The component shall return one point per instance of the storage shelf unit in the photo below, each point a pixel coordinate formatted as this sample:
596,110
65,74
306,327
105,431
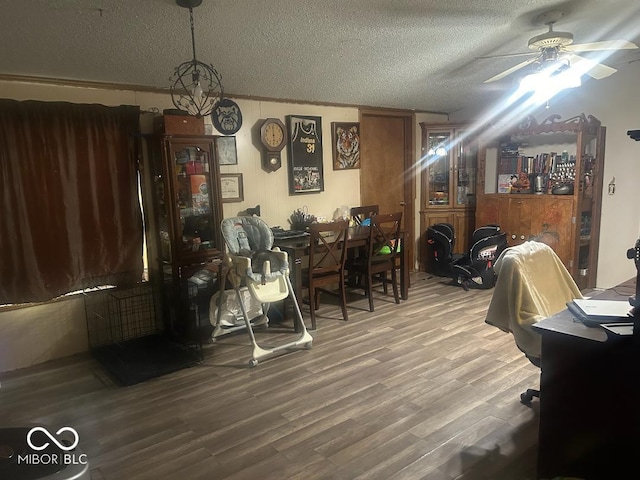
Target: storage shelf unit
544,182
185,237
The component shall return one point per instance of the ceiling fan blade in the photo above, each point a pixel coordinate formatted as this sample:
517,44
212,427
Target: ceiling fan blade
590,67
605,45
511,70
509,55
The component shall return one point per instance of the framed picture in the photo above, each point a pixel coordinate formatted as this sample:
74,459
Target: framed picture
305,154
346,145
226,117
231,187
226,150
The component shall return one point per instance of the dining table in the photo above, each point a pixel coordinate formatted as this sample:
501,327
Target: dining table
297,248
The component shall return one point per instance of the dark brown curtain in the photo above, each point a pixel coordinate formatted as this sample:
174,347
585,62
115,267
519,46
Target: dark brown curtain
69,197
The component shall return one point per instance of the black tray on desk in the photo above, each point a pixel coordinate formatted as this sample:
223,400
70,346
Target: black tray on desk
287,234
623,328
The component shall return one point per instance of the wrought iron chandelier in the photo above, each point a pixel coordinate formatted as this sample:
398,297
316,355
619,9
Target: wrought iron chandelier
195,86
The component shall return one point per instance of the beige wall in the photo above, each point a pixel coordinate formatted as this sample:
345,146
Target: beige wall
26,338
33,335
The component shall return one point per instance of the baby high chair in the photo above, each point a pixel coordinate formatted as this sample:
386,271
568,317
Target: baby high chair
252,264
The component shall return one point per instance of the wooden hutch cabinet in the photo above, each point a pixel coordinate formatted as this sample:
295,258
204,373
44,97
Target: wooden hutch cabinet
543,181
185,232
448,183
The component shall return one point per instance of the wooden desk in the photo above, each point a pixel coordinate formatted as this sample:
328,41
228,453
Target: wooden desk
298,248
589,398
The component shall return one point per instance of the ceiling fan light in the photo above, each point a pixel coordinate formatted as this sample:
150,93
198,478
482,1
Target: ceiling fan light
556,46
566,76
542,86
530,82
570,79
554,77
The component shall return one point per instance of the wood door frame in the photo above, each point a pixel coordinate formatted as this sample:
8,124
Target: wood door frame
409,180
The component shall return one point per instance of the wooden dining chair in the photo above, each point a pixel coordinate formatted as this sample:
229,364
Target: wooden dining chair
383,246
327,256
360,214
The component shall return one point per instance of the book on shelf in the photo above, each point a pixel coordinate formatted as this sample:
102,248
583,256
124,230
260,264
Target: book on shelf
504,183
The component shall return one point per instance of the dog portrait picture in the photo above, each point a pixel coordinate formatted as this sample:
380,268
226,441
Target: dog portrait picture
226,117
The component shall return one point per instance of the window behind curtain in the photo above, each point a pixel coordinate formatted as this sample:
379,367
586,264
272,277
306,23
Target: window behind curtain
68,198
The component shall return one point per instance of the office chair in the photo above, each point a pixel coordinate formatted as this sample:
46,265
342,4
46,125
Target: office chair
532,284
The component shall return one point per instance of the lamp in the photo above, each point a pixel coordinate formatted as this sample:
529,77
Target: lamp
195,86
438,145
440,151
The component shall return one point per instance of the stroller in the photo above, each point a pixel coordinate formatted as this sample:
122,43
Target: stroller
475,270
259,275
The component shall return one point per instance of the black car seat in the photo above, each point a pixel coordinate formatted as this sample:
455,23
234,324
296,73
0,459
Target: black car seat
440,243
475,269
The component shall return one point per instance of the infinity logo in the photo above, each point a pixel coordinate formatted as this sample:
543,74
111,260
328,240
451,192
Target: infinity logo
60,445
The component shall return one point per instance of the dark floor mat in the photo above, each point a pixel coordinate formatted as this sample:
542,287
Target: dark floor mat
141,359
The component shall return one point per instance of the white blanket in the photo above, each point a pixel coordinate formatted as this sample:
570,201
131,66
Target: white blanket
532,284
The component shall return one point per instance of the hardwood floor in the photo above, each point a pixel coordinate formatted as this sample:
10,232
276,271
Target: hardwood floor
420,390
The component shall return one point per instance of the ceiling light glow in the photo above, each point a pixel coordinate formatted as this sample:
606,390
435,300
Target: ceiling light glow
549,81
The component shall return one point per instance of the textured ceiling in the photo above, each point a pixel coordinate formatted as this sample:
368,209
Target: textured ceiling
408,54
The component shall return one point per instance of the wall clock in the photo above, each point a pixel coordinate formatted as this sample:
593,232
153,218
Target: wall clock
273,136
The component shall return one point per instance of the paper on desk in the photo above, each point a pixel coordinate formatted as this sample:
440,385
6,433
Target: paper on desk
603,308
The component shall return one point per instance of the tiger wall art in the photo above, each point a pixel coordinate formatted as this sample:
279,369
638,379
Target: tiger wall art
346,146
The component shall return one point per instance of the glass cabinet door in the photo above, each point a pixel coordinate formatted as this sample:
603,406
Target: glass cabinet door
587,243
187,207
466,151
164,232
193,199
438,167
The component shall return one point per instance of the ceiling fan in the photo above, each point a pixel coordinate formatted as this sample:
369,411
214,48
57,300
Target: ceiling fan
557,48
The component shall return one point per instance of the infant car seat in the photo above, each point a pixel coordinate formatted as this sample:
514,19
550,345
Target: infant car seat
440,242
475,270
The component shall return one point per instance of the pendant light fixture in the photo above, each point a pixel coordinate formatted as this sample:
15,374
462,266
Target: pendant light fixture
195,86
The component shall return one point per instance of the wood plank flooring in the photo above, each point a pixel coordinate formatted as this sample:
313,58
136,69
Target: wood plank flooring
420,390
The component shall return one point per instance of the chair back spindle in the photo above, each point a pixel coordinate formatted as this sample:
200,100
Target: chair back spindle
361,214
